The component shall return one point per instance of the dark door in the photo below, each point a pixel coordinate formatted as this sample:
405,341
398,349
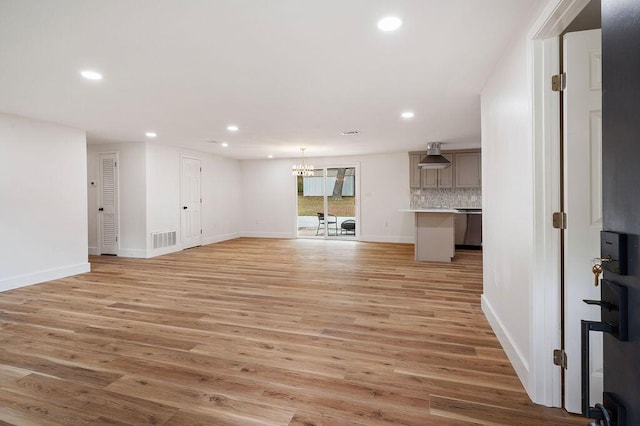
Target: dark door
621,186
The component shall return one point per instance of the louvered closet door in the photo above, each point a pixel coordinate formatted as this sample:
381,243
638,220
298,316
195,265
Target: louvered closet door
108,209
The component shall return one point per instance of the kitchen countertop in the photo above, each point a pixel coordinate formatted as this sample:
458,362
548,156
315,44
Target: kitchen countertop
441,210
429,210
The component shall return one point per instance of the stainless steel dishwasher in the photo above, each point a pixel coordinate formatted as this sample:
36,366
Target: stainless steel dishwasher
468,228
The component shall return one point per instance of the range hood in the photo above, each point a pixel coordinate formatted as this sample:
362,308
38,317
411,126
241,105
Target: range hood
433,159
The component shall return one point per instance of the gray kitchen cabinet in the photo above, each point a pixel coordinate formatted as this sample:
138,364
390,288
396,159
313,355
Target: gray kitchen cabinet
429,178
445,176
421,178
464,171
414,171
467,170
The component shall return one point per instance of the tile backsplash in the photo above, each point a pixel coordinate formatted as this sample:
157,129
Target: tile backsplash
446,197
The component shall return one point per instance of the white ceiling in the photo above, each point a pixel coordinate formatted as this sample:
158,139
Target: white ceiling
289,73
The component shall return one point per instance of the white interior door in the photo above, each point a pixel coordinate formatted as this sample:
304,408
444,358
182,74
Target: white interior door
191,202
583,204
108,203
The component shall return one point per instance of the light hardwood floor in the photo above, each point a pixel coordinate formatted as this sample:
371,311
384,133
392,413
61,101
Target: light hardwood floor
261,331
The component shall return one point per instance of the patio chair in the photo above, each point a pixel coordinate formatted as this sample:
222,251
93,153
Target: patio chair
331,220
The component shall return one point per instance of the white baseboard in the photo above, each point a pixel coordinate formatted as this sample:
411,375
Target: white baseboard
219,238
136,253
268,235
164,250
205,241
515,355
42,276
93,251
386,239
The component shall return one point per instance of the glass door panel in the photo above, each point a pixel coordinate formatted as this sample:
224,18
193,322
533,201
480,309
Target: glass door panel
310,192
341,202
327,203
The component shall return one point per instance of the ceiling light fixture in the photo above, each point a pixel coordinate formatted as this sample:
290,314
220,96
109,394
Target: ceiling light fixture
91,75
232,128
389,23
224,144
270,156
302,169
350,132
151,134
407,115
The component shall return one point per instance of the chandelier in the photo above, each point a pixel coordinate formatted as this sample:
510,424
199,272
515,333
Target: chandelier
302,169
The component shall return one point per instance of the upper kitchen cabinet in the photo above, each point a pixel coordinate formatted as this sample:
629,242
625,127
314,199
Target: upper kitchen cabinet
429,178
468,170
421,178
464,171
445,176
414,170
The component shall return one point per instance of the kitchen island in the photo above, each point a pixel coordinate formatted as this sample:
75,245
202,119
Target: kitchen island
435,235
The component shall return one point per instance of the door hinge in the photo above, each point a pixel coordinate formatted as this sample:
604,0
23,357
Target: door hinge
200,169
560,358
115,164
201,231
116,239
559,82
559,220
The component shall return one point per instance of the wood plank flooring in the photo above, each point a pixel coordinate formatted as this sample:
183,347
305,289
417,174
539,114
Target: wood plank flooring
261,332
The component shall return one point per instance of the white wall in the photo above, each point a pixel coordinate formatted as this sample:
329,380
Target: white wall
508,192
43,195
269,196
221,195
132,196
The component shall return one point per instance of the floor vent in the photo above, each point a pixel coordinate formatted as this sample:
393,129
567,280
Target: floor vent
163,239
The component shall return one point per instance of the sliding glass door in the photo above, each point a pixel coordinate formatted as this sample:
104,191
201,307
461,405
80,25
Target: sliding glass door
327,203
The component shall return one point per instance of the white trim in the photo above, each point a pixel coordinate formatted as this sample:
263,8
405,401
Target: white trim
518,360
94,251
268,235
175,248
543,383
161,251
555,18
387,239
135,253
42,276
219,238
546,385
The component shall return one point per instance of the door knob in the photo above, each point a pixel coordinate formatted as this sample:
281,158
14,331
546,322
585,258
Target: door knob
605,305
184,207
100,209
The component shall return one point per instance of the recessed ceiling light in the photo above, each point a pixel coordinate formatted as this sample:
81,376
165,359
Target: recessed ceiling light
151,134
407,114
224,144
232,128
389,23
350,132
270,156
91,75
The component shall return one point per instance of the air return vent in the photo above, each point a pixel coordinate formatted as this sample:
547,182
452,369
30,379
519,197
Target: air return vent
163,239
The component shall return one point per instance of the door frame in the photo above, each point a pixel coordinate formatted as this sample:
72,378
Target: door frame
354,165
99,225
544,379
